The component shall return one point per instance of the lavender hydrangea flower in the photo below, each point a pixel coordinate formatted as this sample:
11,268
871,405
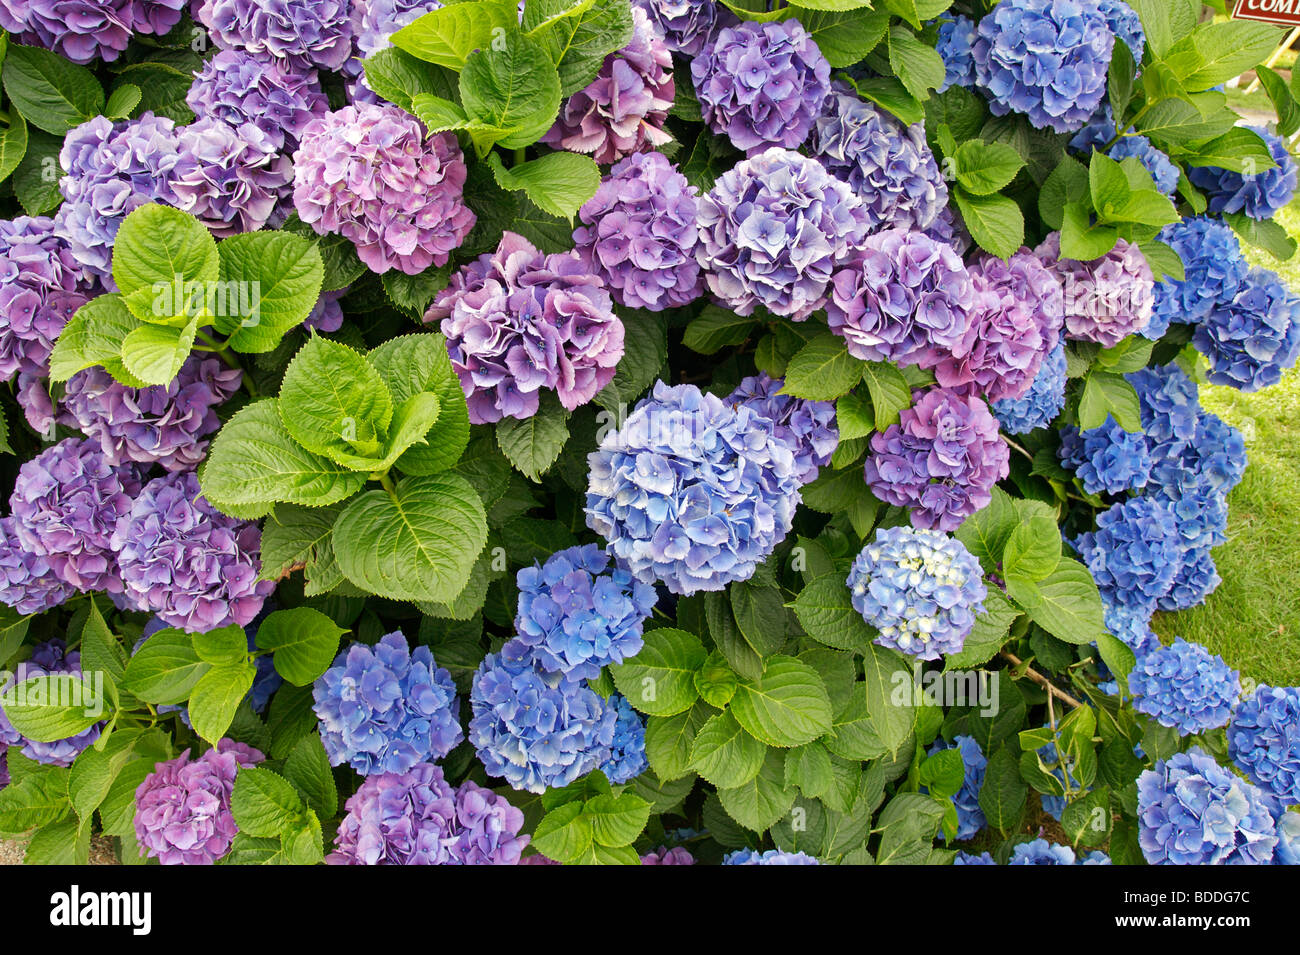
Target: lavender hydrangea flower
1106,459
578,614
1264,740
41,286
66,504
772,229
627,759
1185,687
623,110
373,23
686,25
956,46
1041,852
229,178
887,165
807,426
1258,195
1044,400
1192,811
1134,553
1046,59
50,658
941,460
163,424
27,583
692,491
970,817
487,828
386,708
639,234
770,857
83,30
268,92
182,814
305,32
1107,299
1214,270
665,856
111,170
369,173
327,314
538,730
903,297
1253,337
518,322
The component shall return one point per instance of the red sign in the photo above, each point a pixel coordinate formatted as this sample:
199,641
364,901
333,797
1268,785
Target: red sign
1269,11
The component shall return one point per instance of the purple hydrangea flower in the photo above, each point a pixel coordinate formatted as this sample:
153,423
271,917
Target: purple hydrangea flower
50,658
1046,59
956,45
1106,459
941,460
41,286
761,84
518,321
970,817
386,708
889,166
229,178
327,314
373,23
182,814
772,229
623,110
627,759
1041,852
1044,400
163,424
27,583
1264,740
111,169
692,491
807,426
1185,687
1254,336
665,856
66,504
1107,299
305,32
1134,553
1258,195
1214,270
948,228
1192,811
488,828
185,561
686,25
82,30
268,92
903,297
639,234
538,730
920,588
770,857
577,614
369,173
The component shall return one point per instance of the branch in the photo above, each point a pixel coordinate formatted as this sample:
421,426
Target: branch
1041,680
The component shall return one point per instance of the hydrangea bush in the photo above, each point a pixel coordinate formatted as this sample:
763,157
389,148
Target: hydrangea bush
530,433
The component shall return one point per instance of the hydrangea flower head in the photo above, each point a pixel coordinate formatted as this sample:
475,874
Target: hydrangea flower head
1163,172
1107,299
920,588
692,491
627,758
1186,687
1041,852
1044,400
941,459
305,32
807,426
1264,740
1197,578
50,658
182,814
970,817
1106,459
1213,271
1254,336
770,857
1168,401
185,561
268,92
578,614
665,856
761,84
383,709
27,582
83,30
1258,195
956,46
1126,25
772,229
1134,553
229,178
369,173
639,234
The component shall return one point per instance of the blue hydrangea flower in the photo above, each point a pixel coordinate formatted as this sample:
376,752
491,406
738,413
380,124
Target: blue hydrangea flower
1184,686
970,817
1131,626
1253,337
1096,857
1192,811
1107,459
1197,578
535,729
577,614
1046,59
1199,506
807,426
965,858
627,759
920,588
1168,401
1287,851
383,709
1126,25
1258,194
1264,740
1156,162
956,39
1218,452
1044,400
692,491
1213,269
1134,553
1042,852
770,857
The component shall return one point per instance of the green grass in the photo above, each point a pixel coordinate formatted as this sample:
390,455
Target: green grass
1253,619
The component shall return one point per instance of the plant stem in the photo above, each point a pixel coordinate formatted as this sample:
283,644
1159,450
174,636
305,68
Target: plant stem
1041,680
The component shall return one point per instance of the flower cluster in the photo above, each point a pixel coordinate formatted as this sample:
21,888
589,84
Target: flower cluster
623,110
518,321
369,173
808,427
182,809
970,817
761,84
692,491
27,582
1258,195
1107,299
1254,336
1214,269
627,758
383,709
50,658
1041,852
639,234
772,229
85,30
941,460
182,559
1126,25
1264,740
686,25
956,46
1044,400
273,94
888,166
1184,686
577,614
1106,459
770,857
1134,553
229,178
665,856
305,32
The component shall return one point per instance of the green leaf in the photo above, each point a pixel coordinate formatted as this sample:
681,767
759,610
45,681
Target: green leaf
1284,101
889,94
36,180
1266,234
398,77
726,755
578,44
264,803
224,646
827,615
1106,394
893,719
94,336
409,365
308,769
1066,603
670,739
889,391
992,629
717,328
853,416
511,85
564,833
280,275
50,92
918,66
916,12
986,532
616,820
1227,50
50,708
154,354
1034,548
759,803
165,669
786,706
985,168
760,615
995,222
844,37
333,402
157,247
1002,796
822,370
660,680
418,542
304,642
532,444
559,183
908,825
216,696
34,801
1239,149
13,144
449,35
